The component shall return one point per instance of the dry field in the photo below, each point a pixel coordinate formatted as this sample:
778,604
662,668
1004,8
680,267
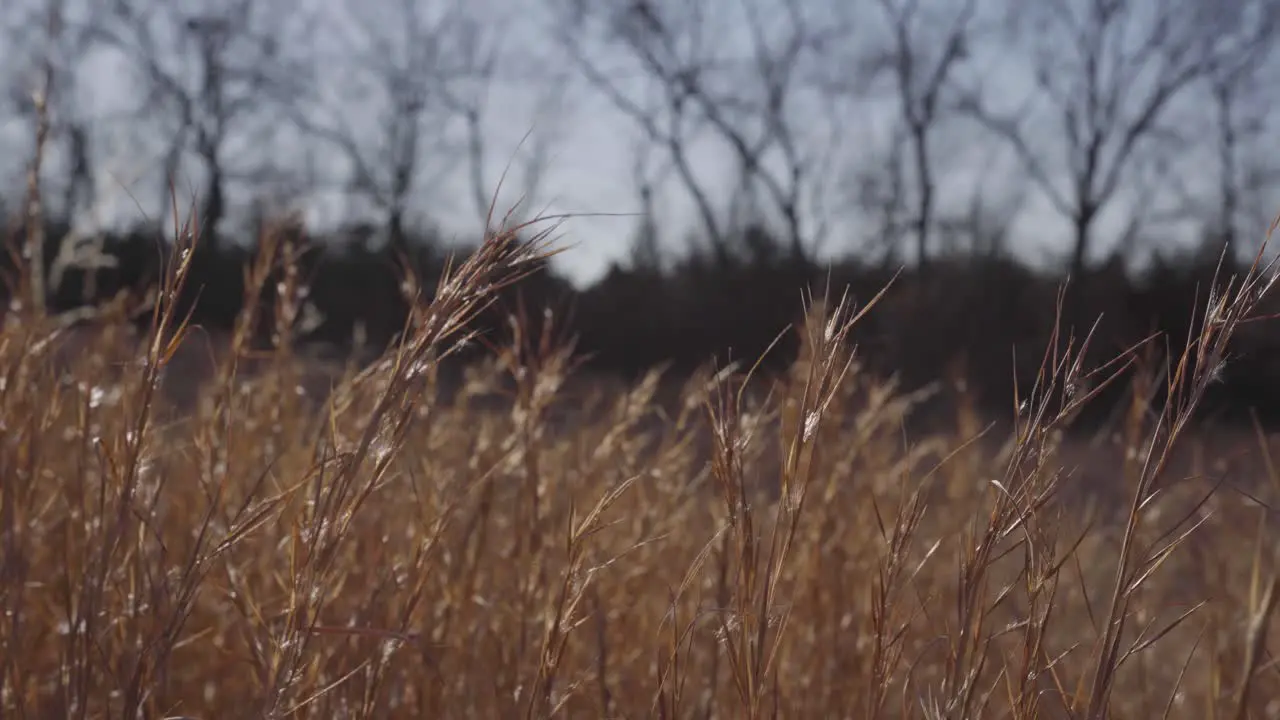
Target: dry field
275,551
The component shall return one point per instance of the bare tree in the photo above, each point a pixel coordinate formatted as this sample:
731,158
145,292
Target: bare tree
212,72
42,93
1109,71
708,72
405,103
1243,101
981,231
501,66
918,57
878,189
63,44
645,251
33,252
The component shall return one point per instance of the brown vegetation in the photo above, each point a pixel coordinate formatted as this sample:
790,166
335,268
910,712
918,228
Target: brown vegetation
376,552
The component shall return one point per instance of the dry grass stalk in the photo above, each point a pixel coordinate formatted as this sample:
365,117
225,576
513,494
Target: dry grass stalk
582,551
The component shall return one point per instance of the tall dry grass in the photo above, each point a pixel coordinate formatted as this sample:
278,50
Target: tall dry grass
375,552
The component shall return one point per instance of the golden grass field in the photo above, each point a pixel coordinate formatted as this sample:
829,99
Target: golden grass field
589,551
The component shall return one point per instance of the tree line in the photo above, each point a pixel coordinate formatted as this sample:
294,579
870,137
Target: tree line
769,145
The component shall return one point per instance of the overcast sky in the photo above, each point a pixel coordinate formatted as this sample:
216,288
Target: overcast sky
588,169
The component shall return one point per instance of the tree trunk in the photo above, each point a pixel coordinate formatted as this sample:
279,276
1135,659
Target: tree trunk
924,214
1074,305
214,204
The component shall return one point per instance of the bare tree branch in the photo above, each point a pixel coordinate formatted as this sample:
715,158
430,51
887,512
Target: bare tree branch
705,91
495,63
213,70
426,72
70,129
665,121
33,252
1108,71
1243,98
919,55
